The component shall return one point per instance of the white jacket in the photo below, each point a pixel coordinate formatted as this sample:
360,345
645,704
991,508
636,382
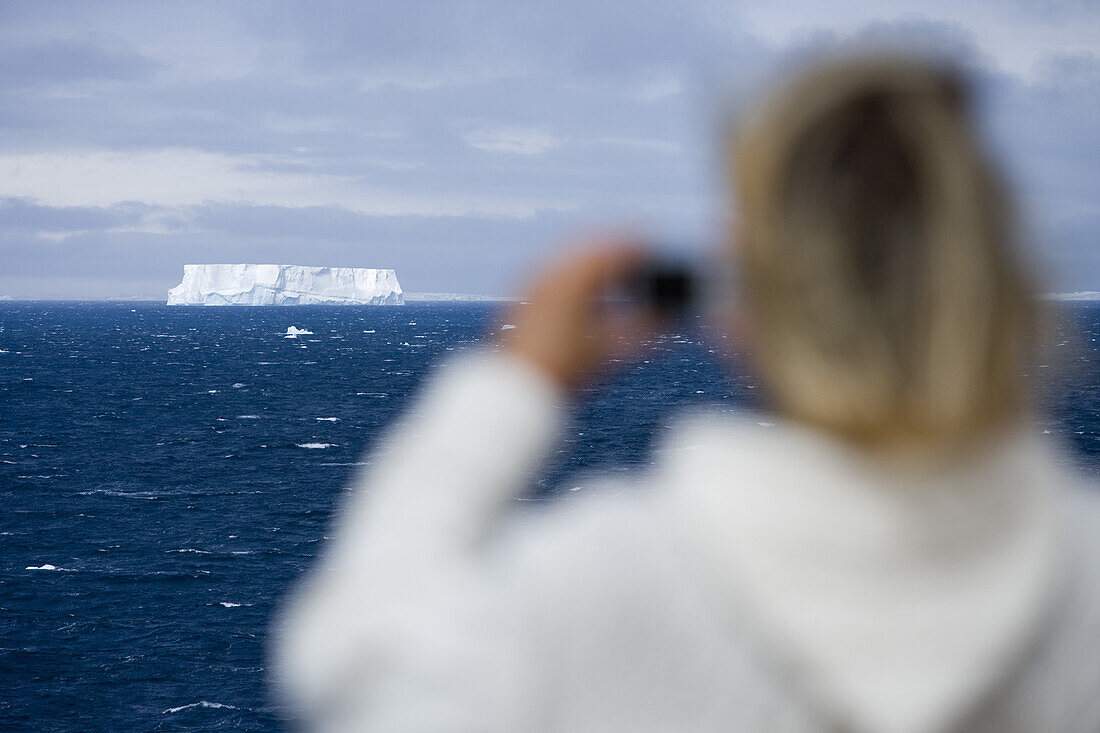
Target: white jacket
760,577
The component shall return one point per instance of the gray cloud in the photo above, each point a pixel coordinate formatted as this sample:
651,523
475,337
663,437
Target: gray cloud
557,113
62,63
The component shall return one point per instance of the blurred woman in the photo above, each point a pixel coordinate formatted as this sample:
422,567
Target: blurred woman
899,552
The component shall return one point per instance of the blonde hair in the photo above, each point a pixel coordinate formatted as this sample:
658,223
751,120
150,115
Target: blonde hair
878,266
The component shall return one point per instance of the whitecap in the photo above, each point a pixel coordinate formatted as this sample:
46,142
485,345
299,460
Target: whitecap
238,385
327,419
316,445
200,704
370,331
507,327
190,549
227,604
211,391
248,417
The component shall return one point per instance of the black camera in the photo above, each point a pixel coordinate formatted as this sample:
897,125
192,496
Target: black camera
668,287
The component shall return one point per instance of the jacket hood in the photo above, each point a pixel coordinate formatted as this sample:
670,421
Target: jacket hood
897,592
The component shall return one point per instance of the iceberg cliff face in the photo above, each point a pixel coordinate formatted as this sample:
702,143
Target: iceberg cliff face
285,285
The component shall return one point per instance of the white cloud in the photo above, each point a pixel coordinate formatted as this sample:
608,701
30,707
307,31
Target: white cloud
182,177
659,87
515,140
667,147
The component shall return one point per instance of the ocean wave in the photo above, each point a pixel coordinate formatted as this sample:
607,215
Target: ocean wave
200,704
144,495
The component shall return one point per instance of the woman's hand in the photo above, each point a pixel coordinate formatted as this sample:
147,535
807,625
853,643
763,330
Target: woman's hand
562,328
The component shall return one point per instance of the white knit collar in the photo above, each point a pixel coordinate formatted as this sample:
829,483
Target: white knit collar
900,596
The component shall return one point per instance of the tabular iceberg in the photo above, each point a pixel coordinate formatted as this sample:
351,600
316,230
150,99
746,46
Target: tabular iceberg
285,285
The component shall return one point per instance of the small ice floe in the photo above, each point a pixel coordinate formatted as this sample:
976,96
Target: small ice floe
293,332
227,604
238,385
327,419
199,704
316,445
47,566
507,327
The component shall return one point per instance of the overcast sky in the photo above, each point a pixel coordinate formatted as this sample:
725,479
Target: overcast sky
459,141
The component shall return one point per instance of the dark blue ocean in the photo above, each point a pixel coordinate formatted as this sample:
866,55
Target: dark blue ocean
177,467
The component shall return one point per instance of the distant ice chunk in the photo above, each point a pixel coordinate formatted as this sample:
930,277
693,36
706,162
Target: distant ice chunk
1079,295
316,446
293,332
199,704
47,566
247,284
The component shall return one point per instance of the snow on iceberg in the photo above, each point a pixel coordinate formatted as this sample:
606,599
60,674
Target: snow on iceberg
285,285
